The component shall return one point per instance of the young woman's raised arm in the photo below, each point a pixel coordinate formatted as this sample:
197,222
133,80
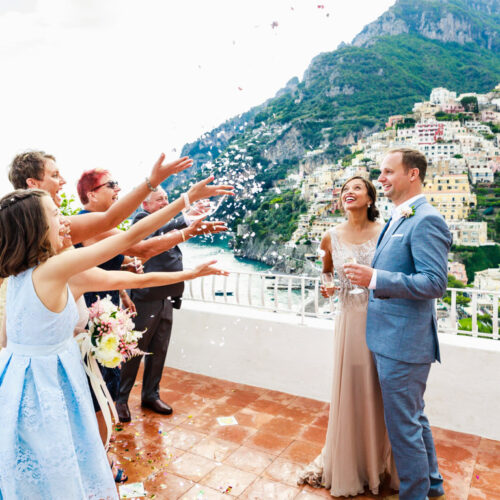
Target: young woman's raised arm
87,226
52,275
99,280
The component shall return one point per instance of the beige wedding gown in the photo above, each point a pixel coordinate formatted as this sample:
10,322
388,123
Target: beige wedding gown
357,452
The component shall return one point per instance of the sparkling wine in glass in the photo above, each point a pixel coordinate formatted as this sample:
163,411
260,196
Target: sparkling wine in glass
355,288
328,281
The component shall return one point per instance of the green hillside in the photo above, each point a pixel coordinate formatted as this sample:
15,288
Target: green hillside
393,63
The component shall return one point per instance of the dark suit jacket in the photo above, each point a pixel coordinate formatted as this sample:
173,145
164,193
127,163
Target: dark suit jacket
171,260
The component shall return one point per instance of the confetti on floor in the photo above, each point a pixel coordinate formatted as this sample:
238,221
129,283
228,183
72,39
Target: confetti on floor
132,490
227,421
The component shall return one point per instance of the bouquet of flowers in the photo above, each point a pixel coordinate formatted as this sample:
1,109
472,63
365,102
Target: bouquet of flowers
113,339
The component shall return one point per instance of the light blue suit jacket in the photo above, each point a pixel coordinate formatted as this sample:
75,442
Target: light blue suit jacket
411,261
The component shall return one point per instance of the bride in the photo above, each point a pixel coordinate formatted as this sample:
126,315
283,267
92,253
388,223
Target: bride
357,452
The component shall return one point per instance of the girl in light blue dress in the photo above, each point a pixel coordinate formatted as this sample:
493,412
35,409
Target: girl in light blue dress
50,447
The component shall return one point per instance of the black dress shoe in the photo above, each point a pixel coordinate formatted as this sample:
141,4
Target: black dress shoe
158,406
123,412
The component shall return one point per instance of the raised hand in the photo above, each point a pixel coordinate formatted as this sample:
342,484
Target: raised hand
206,269
202,190
133,265
161,171
203,227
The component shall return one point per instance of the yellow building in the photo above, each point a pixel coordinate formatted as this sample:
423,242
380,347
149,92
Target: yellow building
451,195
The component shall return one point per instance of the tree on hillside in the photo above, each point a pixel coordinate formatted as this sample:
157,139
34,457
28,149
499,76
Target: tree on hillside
470,104
477,258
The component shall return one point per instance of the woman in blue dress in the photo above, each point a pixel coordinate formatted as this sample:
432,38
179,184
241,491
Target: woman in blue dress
50,447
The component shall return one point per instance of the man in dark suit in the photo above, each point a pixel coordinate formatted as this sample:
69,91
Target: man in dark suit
155,308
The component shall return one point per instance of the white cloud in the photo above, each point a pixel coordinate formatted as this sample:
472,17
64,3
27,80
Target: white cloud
113,83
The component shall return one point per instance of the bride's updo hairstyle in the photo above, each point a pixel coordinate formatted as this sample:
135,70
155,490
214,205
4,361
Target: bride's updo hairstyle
24,232
372,211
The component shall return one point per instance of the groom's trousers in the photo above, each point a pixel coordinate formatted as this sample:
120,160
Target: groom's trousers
154,316
403,386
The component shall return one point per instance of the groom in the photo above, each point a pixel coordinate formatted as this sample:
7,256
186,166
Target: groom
409,272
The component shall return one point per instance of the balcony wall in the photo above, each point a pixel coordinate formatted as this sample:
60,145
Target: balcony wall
275,351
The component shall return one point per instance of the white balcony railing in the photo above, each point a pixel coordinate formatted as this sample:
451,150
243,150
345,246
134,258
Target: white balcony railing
469,312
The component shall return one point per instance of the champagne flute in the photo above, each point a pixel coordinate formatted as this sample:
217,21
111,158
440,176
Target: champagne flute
355,288
327,280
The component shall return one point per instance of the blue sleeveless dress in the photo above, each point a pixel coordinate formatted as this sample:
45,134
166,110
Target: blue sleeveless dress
50,447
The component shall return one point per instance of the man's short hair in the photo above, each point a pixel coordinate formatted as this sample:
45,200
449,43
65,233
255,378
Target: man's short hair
28,165
88,182
411,158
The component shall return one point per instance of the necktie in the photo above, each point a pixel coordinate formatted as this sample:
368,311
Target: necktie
386,227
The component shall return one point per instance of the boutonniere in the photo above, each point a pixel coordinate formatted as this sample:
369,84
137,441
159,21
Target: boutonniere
408,212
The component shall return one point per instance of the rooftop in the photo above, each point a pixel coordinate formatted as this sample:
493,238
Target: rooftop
188,455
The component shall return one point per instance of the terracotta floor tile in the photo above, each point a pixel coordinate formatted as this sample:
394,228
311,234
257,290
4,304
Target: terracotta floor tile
486,480
456,464
175,419
477,494
301,452
192,466
314,434
489,445
283,427
199,492
250,460
488,461
212,391
242,398
182,438
166,485
229,479
458,438
451,452
283,471
324,493
299,415
267,406
220,409
152,455
279,397
251,418
191,404
141,465
201,423
309,404
214,449
265,489
234,433
171,398
321,421
268,442
309,495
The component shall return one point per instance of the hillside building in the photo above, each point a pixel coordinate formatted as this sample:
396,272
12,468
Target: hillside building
469,233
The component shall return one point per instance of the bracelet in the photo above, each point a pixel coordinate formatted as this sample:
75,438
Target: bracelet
187,203
182,234
150,186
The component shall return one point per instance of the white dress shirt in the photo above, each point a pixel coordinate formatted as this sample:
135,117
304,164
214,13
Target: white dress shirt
396,215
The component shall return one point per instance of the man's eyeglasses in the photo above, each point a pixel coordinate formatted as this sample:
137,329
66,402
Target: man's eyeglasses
110,184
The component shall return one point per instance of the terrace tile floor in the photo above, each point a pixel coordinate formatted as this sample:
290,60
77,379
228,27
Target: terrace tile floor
188,455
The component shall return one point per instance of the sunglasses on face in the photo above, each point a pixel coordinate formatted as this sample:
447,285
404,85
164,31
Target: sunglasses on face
110,184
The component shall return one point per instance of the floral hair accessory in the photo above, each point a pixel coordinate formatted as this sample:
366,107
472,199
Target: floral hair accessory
408,212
